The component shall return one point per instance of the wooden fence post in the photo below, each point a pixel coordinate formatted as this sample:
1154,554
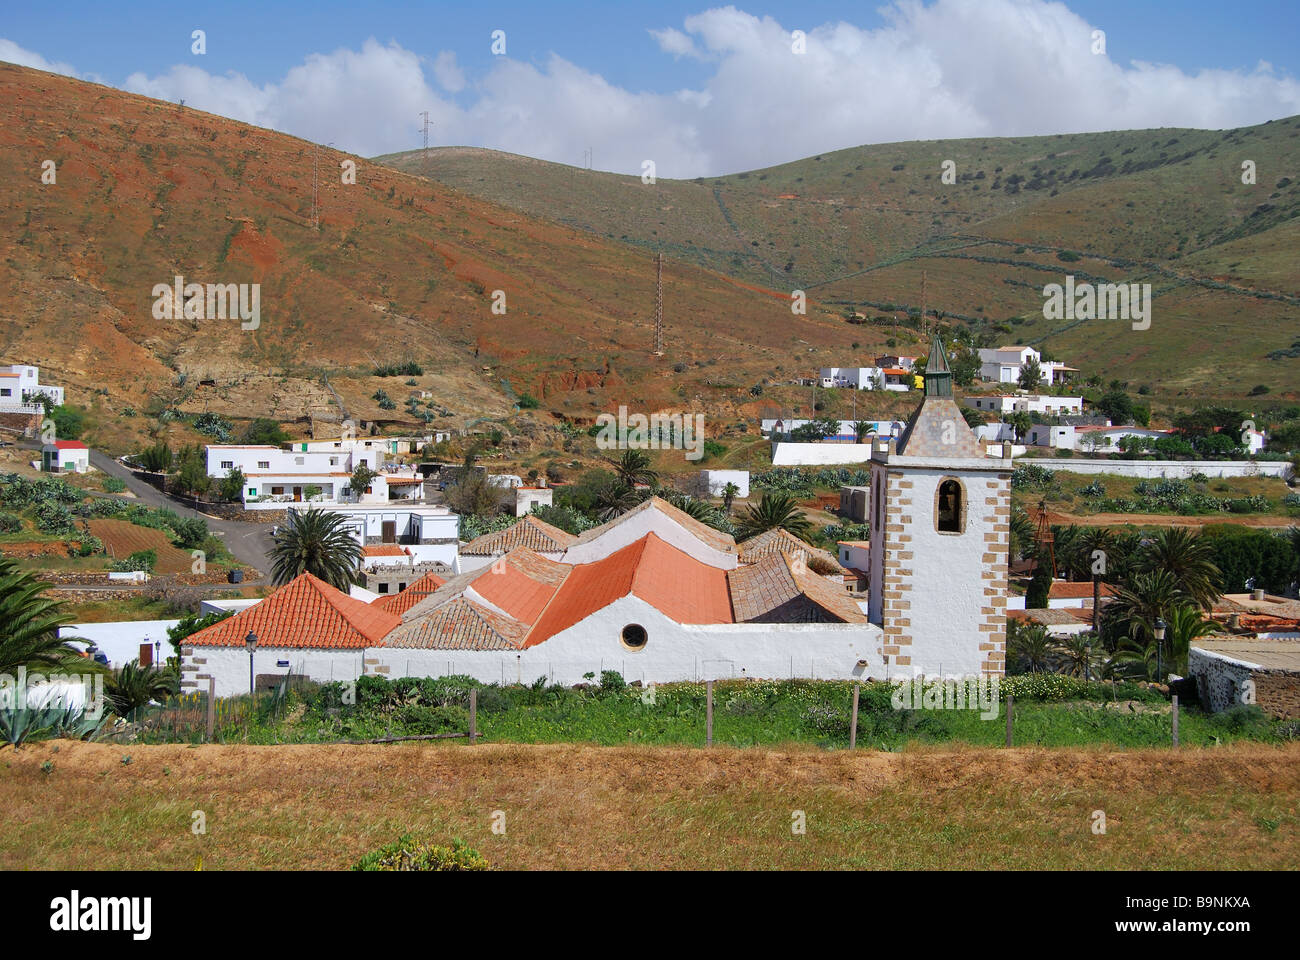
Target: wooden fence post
708,713
212,708
1175,717
473,716
853,718
1011,701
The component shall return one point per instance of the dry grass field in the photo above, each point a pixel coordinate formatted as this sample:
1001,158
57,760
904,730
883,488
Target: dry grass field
81,806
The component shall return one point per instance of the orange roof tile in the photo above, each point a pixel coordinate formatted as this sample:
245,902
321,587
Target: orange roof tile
404,600
307,612
670,580
382,550
1066,590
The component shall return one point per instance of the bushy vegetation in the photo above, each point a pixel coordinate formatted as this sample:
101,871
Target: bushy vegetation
804,480
407,853
408,369
1051,710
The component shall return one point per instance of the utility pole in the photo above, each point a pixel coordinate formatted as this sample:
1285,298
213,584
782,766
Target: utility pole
925,325
659,305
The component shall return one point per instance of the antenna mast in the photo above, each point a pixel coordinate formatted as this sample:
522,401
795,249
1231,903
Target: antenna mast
425,115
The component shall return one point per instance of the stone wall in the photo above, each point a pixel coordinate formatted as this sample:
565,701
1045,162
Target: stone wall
1223,682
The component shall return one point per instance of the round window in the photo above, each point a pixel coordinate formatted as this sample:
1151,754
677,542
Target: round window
634,636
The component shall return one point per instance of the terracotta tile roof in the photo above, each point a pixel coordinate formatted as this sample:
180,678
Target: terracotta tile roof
778,541
716,539
382,550
529,532
777,589
398,603
1067,590
460,624
306,612
670,580
519,583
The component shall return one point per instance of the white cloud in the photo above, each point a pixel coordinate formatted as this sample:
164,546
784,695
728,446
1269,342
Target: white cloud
450,76
10,52
956,68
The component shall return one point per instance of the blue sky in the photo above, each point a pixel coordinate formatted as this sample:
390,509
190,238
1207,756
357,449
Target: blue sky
262,40
710,98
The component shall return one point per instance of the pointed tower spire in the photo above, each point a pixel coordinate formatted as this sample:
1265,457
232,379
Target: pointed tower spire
938,378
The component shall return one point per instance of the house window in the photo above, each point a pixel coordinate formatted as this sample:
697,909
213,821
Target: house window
277,491
634,636
950,507
264,464
227,464
383,588
6,392
334,461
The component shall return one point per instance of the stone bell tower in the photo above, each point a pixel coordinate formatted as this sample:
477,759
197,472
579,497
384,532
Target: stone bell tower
940,524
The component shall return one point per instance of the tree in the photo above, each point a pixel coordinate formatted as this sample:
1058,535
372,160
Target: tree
264,430
231,487
192,477
1031,375
131,687
362,478
729,493
861,428
815,430
156,459
1187,557
773,511
613,498
29,624
1141,655
634,468
1029,647
1019,422
316,542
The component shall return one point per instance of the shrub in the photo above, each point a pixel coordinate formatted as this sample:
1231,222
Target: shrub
612,681
144,560
407,853
114,484
10,523
528,402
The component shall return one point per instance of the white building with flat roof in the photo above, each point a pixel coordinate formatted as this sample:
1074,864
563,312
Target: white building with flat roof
276,476
1041,403
1003,365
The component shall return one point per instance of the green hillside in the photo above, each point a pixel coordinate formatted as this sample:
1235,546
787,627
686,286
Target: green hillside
858,228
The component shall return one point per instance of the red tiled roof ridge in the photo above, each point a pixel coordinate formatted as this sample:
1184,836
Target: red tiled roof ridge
356,623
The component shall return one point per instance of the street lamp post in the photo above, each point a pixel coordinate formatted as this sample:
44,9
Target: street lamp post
1160,650
250,641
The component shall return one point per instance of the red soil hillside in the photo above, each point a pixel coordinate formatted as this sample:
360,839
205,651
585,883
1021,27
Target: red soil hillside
400,269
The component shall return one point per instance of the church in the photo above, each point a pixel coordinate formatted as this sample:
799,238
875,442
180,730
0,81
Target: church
940,528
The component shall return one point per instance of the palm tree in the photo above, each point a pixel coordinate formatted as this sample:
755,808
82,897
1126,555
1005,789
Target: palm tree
1141,656
1021,539
1029,647
861,428
614,497
774,510
1186,556
319,543
729,493
695,508
1078,656
29,623
1141,601
634,467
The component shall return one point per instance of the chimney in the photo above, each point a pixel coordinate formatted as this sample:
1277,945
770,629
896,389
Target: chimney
1006,449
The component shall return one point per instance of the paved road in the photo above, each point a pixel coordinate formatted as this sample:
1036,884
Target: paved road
250,543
